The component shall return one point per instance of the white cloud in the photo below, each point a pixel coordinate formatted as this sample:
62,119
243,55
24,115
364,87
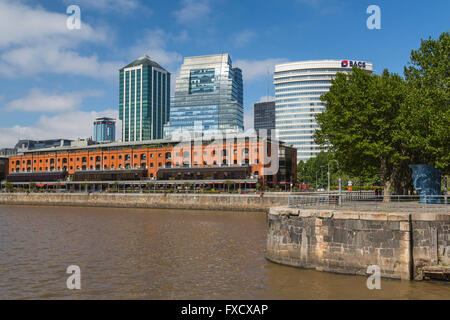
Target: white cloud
37,101
193,11
258,69
69,125
267,99
248,119
121,6
244,37
24,25
54,58
34,40
154,44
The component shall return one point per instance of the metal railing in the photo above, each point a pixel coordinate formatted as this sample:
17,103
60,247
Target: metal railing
367,201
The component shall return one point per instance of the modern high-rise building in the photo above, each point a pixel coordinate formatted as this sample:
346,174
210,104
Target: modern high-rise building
264,116
298,87
105,130
144,100
208,96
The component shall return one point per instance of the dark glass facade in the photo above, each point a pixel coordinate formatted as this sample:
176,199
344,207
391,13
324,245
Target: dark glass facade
264,116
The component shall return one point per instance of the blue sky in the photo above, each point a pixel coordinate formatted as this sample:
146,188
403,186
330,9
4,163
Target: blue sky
55,81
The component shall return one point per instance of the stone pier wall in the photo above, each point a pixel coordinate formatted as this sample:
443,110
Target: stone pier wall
239,202
348,242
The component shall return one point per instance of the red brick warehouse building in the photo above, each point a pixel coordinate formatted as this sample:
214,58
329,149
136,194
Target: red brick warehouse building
199,159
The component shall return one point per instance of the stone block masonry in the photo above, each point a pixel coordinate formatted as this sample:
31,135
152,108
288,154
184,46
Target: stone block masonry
236,202
347,242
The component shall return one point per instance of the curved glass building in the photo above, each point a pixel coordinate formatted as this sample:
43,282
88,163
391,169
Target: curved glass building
298,87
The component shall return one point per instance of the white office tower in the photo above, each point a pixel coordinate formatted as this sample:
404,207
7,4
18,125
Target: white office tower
298,87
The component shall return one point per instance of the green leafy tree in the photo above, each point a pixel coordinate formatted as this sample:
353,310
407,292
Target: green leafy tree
9,186
229,185
362,122
427,112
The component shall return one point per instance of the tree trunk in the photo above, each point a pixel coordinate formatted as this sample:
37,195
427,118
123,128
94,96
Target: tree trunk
385,180
387,190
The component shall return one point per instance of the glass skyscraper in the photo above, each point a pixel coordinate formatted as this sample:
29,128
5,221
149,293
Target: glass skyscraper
298,87
144,100
105,129
208,96
264,116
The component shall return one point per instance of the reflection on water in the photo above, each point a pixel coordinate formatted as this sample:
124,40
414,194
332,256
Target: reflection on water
163,254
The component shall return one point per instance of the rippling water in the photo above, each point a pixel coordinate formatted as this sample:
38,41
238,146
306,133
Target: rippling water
163,254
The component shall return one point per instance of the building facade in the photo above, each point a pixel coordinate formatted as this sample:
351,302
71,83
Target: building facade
104,130
191,159
208,96
298,87
144,100
264,116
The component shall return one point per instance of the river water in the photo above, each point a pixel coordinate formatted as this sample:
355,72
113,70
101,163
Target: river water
163,254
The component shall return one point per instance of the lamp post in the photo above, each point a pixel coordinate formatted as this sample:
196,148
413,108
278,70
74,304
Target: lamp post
329,173
321,175
316,180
